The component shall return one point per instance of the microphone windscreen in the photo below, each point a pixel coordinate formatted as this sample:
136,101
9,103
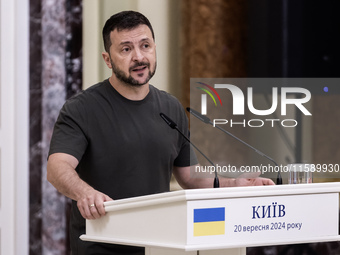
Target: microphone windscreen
198,115
168,121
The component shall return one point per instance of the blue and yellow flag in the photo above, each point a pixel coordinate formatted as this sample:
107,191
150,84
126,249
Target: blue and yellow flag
209,221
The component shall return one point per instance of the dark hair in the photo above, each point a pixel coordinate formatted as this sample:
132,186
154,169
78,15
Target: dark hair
121,21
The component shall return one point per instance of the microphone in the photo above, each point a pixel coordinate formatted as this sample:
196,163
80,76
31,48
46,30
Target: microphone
206,120
173,125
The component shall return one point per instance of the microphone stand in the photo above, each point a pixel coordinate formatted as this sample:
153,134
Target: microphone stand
173,125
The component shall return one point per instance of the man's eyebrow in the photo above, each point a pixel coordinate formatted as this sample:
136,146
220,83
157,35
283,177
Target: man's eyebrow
129,42
145,39
125,42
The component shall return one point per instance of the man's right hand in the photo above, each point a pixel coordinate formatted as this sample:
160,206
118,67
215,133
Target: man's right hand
91,205
62,175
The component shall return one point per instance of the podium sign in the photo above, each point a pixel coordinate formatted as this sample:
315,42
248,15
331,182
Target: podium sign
224,218
223,222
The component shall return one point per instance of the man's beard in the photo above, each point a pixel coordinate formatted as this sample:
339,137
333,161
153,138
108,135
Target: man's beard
129,79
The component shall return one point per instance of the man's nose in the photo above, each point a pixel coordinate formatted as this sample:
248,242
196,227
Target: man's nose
137,55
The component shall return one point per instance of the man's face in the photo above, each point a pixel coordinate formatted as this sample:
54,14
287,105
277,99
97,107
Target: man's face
133,55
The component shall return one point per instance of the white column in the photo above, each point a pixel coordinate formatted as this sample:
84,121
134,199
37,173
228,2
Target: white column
91,42
14,126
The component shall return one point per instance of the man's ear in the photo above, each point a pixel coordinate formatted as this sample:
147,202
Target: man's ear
106,58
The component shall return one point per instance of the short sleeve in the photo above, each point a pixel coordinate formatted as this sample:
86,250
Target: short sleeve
69,134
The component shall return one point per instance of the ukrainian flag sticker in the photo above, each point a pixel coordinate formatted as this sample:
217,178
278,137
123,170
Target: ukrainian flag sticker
209,221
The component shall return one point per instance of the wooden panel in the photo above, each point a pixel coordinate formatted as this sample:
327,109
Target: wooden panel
326,122
214,46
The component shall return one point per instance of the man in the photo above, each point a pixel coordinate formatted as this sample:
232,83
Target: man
109,141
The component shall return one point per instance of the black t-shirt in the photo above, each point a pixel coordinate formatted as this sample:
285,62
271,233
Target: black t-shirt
124,148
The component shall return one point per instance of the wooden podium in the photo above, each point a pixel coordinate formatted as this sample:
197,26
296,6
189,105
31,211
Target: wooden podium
221,221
